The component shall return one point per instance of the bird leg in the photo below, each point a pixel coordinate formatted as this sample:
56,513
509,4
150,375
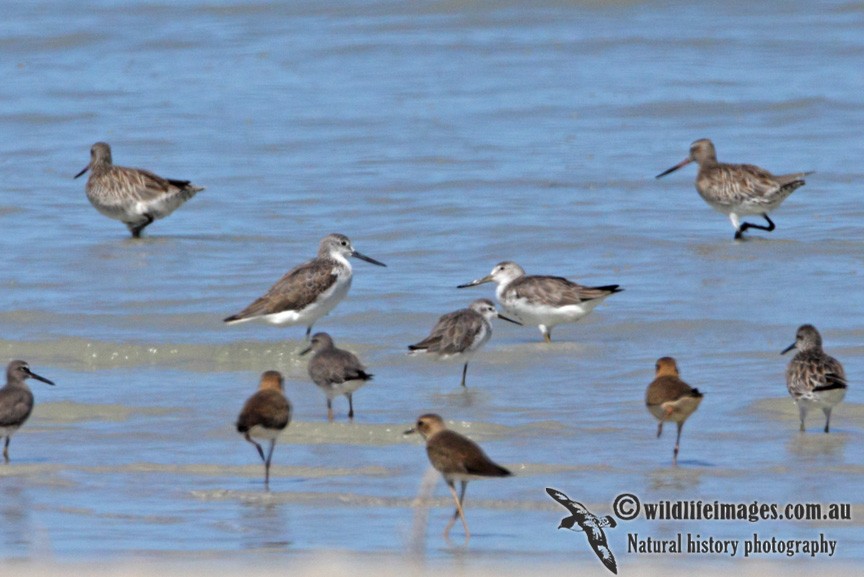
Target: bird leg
659,429
547,333
350,407
267,463
308,332
802,412
746,225
464,372
827,412
329,410
136,229
6,451
251,440
677,443
459,511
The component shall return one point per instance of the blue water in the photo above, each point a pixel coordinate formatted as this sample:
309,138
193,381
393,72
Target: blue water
441,138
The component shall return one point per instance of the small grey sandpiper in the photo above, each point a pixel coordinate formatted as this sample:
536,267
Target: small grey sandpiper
308,291
460,334
669,398
265,415
814,378
738,189
544,301
457,458
134,196
16,400
335,371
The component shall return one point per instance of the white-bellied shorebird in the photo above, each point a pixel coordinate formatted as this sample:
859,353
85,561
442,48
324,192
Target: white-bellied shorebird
309,291
336,371
544,301
738,189
460,334
16,400
814,378
133,196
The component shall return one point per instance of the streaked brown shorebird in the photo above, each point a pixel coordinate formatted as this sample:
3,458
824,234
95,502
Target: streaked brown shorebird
738,189
335,371
16,400
457,458
669,398
814,378
265,415
460,334
309,291
133,196
544,301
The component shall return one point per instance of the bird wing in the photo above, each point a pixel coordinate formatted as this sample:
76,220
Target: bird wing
336,366
15,406
573,506
814,372
143,185
451,453
597,540
746,183
297,289
557,291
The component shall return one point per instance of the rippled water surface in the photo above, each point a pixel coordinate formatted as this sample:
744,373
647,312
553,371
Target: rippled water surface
442,137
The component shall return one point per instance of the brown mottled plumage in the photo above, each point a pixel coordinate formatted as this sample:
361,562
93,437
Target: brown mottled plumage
814,378
457,458
541,300
738,189
669,398
336,371
309,291
16,400
264,415
134,196
460,334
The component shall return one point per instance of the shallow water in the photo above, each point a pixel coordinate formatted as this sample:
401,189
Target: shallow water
442,138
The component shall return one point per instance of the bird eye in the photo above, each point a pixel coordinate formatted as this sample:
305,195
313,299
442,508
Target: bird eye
344,243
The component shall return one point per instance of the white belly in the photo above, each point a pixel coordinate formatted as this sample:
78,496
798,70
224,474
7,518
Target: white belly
308,315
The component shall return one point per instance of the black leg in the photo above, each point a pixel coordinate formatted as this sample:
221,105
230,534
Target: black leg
350,406
464,372
136,229
746,225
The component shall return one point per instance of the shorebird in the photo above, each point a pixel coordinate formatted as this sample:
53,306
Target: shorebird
457,458
544,301
265,414
16,400
308,291
814,378
738,189
669,398
133,196
591,524
460,334
336,371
